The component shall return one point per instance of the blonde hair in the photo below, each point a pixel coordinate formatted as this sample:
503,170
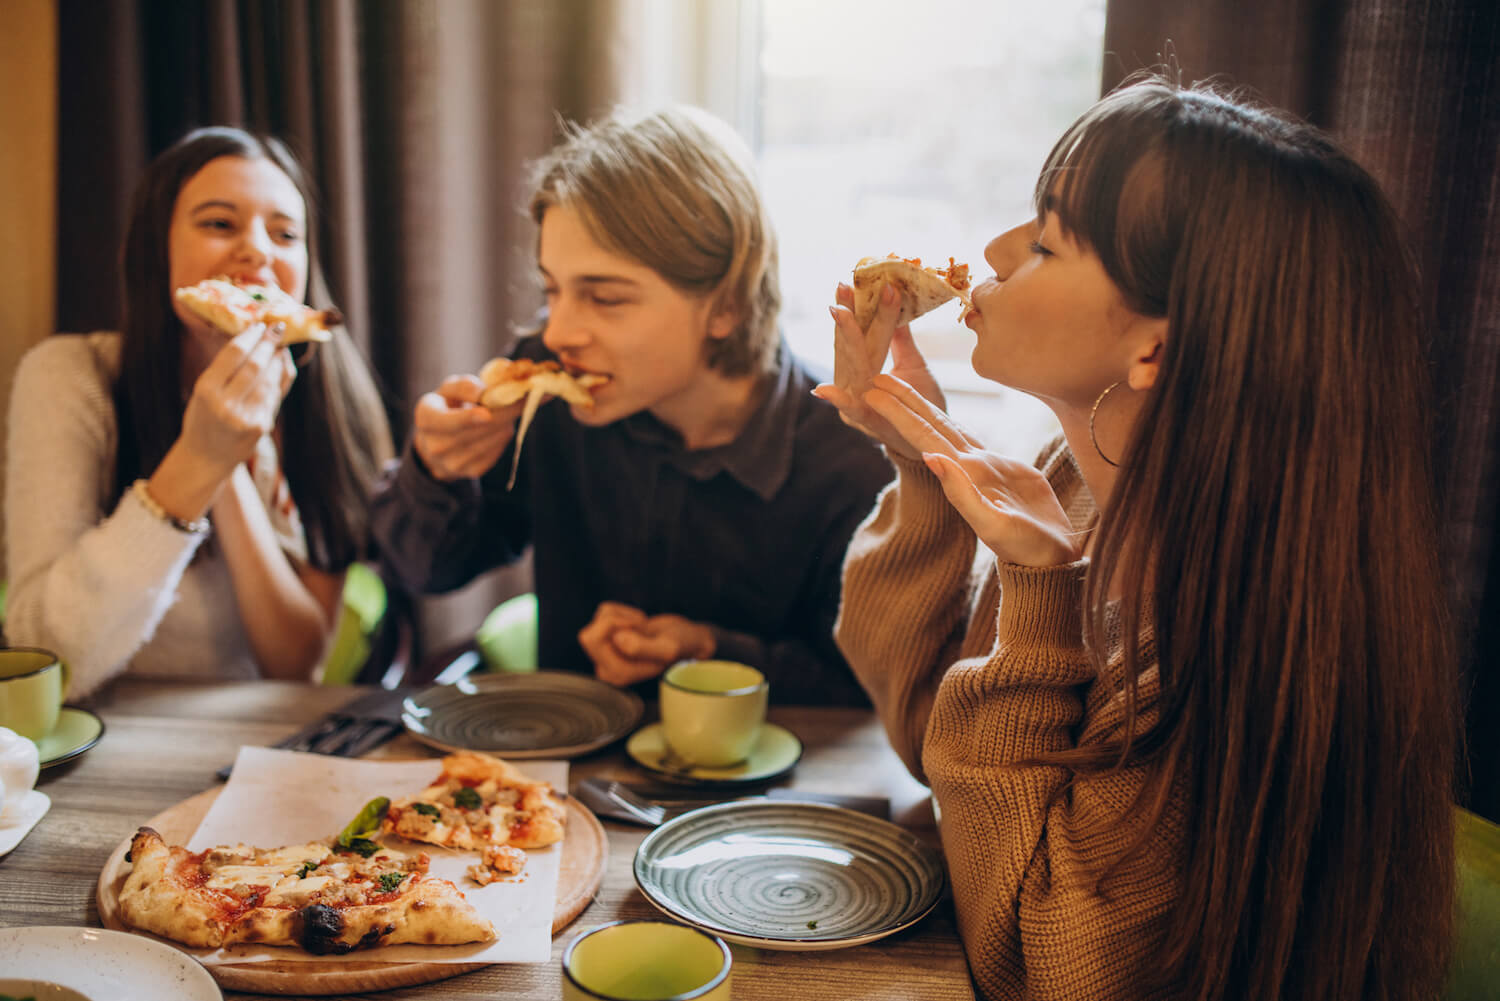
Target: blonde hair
675,190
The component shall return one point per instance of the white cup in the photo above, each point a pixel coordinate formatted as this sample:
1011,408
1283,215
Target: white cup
19,766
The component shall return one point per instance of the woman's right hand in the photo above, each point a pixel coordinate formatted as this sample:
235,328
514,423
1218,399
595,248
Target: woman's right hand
456,436
235,400
907,364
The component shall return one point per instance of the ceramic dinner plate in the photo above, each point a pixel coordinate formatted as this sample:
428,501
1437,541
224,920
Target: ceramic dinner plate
791,876
549,714
76,731
102,964
776,750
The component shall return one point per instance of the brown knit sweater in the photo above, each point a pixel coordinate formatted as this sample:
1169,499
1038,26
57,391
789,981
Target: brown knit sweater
974,667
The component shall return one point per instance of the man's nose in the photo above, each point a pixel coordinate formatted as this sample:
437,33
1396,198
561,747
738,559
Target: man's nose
564,331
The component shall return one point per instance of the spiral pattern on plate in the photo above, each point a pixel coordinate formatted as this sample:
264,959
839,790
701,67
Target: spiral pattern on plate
547,714
789,875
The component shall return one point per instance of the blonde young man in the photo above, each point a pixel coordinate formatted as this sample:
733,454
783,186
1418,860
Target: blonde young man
701,506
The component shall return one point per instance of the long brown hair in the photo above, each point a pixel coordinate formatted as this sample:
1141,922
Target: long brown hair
339,435
1279,478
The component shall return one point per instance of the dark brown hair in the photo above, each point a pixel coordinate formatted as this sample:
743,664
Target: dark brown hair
1279,482
340,434
675,190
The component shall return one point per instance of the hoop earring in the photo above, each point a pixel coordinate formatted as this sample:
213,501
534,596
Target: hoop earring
1094,438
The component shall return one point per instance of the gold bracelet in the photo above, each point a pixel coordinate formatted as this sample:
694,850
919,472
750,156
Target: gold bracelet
198,526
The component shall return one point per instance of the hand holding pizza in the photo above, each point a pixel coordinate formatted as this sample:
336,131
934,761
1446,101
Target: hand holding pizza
628,646
907,364
236,399
458,437
1008,503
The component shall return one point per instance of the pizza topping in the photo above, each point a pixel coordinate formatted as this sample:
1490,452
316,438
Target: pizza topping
234,307
481,802
296,895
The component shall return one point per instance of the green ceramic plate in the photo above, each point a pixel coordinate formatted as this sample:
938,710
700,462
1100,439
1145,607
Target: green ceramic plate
793,876
774,754
76,731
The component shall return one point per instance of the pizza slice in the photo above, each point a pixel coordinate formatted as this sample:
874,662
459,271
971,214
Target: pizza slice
507,380
482,803
311,896
233,308
921,289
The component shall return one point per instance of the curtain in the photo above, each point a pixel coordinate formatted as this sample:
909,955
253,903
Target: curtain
1412,88
415,118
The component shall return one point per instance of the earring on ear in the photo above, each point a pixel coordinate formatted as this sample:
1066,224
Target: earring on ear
1093,437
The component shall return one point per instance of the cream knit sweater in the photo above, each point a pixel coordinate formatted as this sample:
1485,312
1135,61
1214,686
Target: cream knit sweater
973,668
99,581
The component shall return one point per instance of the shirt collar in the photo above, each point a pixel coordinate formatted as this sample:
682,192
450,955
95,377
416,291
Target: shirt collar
760,456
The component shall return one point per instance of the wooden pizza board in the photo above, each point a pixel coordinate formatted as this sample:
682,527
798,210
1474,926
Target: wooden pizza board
585,851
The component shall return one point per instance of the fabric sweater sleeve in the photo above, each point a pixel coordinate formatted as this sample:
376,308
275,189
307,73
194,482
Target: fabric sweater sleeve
90,579
437,536
898,637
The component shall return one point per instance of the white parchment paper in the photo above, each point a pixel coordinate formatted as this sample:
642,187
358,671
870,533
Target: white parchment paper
275,798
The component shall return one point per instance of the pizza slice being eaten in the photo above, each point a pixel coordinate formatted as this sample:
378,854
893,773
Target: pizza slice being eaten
482,803
310,896
233,308
921,289
507,380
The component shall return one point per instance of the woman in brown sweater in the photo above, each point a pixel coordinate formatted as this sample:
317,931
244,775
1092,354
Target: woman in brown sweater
1183,690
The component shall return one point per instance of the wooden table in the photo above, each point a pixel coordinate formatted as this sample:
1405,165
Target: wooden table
163,742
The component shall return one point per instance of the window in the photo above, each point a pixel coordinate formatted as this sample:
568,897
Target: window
889,126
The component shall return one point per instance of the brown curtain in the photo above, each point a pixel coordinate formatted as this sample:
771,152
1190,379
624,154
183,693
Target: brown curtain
1413,89
415,118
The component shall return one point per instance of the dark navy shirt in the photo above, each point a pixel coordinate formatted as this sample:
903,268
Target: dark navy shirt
747,537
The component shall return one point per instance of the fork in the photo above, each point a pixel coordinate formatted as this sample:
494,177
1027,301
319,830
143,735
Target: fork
349,731
620,801
615,798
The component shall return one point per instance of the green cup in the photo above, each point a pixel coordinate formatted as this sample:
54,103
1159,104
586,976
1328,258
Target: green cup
646,961
712,711
31,690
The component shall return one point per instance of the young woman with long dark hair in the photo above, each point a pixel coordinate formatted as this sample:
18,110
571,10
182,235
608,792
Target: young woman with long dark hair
180,502
1190,730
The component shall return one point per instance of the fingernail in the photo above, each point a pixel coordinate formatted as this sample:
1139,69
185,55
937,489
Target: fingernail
818,392
930,460
833,311
888,294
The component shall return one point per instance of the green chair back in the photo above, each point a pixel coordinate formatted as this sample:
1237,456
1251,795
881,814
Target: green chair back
507,637
364,605
1476,947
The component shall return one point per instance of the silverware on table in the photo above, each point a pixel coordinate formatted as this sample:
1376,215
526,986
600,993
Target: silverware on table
650,808
349,731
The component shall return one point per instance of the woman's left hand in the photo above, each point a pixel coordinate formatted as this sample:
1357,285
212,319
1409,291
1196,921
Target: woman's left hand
1009,504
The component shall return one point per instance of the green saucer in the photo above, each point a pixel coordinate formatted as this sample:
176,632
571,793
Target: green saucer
773,755
76,731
